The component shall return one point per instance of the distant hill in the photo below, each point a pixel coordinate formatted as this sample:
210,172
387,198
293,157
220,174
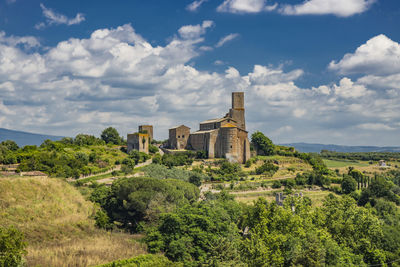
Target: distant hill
305,147
25,138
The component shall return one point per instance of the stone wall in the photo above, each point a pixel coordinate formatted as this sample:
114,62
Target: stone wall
148,129
178,137
138,141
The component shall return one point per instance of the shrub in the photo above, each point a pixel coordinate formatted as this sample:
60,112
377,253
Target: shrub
262,144
153,149
349,184
201,154
102,220
12,247
148,260
267,168
276,184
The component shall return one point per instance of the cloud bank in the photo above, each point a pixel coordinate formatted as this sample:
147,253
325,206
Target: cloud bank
340,8
115,77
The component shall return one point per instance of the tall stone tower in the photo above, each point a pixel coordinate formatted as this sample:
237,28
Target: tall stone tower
237,110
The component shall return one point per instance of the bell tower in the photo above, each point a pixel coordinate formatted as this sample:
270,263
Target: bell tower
237,110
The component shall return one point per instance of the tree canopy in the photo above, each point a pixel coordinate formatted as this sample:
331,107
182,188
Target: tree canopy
262,144
110,135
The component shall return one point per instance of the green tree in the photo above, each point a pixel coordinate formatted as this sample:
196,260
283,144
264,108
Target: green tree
349,184
12,247
111,136
133,200
196,234
262,144
11,145
267,168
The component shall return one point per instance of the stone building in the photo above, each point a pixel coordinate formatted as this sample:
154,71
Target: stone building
225,137
178,137
140,141
147,129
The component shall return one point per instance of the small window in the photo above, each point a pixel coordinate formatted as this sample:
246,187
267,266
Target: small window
231,146
179,136
183,136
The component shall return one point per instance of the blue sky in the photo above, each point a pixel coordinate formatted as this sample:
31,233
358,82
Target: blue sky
325,71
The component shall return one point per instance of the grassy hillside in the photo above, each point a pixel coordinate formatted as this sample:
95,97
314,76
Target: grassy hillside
58,224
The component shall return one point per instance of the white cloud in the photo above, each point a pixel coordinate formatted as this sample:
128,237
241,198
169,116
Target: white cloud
114,77
375,127
340,8
379,55
264,75
218,62
226,39
347,89
283,130
26,41
53,17
194,6
245,6
195,31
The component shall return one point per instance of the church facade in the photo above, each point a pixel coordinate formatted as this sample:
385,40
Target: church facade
220,138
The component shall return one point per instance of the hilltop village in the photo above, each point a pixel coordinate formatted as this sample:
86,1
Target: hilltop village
199,198
225,137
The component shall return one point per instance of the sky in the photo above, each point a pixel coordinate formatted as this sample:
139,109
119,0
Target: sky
316,71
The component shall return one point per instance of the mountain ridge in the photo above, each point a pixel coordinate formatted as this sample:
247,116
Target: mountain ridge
316,148
25,138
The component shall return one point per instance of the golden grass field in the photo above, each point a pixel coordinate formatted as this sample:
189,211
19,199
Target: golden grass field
58,224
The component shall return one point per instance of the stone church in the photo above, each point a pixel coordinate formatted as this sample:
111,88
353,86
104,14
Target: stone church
220,138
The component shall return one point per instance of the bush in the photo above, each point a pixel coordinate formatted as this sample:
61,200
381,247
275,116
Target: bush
201,154
349,184
262,144
195,179
12,247
163,172
290,183
276,184
300,179
138,157
153,149
102,220
179,159
267,168
148,260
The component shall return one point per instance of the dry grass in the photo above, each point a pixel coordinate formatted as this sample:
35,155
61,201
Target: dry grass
58,224
316,196
94,250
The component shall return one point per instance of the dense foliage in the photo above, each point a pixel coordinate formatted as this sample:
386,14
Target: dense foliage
134,200
199,234
178,159
365,156
69,157
267,168
12,247
148,260
262,144
111,136
162,172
